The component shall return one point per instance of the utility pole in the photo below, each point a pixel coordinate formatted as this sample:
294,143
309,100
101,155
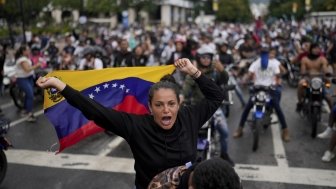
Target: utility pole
23,22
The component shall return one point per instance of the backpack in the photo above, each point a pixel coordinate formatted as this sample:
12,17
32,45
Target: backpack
168,179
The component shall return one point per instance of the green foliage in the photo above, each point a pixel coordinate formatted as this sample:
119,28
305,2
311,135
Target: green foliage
55,28
145,5
234,11
326,5
279,8
72,4
102,6
4,32
11,9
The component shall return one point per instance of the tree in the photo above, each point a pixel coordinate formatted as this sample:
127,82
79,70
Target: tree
284,9
73,4
234,11
102,6
278,8
326,5
11,11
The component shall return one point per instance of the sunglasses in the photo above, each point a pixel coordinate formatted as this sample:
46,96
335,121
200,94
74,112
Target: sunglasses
206,56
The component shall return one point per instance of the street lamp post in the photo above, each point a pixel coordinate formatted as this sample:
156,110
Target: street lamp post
23,22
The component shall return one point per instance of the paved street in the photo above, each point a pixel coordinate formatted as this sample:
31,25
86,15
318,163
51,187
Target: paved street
103,161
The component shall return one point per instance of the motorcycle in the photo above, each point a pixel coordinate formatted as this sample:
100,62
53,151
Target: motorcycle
208,142
18,95
233,85
313,101
52,60
9,74
4,145
261,111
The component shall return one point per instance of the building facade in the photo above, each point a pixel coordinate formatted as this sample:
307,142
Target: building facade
171,12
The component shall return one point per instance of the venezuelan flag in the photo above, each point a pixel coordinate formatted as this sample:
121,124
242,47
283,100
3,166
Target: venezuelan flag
124,89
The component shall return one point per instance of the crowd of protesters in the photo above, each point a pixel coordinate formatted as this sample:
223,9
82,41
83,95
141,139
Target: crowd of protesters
101,47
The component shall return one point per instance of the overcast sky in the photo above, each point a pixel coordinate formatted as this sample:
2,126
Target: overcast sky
259,7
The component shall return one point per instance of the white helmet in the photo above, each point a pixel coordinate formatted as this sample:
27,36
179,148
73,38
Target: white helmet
206,49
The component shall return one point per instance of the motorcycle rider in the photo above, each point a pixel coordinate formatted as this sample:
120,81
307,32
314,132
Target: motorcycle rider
313,64
225,58
265,71
52,51
205,64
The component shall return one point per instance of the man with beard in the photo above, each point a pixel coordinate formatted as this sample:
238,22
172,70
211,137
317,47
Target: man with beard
123,57
313,64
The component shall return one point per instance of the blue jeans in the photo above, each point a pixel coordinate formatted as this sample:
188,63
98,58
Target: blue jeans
220,125
27,85
275,103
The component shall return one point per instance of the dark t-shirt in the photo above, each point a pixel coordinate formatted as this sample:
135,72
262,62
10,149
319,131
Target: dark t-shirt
225,58
123,59
333,52
245,48
69,49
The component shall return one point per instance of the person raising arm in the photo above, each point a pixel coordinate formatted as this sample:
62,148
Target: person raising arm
162,139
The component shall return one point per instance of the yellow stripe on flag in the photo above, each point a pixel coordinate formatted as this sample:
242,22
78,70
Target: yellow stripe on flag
81,80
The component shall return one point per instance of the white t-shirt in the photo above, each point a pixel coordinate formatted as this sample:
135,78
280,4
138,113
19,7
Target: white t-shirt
97,64
265,77
20,73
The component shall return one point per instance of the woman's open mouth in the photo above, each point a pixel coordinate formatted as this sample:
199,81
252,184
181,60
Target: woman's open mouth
166,120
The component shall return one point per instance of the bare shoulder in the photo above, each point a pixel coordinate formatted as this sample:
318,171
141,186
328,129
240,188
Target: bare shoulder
304,60
323,59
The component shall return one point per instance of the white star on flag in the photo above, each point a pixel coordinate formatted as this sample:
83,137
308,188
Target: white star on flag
122,87
91,96
106,85
97,89
114,85
127,90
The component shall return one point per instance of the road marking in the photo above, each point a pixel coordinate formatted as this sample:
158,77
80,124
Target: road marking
275,174
304,176
279,150
70,161
16,122
111,146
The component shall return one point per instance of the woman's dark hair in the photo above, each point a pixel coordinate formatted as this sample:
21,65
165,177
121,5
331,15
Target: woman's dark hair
215,173
166,82
20,51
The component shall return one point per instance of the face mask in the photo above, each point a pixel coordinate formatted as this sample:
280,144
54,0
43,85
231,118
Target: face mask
312,56
264,60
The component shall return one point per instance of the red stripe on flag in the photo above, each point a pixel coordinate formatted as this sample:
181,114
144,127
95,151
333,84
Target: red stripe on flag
86,130
131,105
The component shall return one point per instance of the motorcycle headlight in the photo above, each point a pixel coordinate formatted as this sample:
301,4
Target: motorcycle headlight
6,81
261,96
316,83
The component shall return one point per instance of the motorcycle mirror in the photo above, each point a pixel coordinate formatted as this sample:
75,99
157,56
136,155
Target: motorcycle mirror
333,80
